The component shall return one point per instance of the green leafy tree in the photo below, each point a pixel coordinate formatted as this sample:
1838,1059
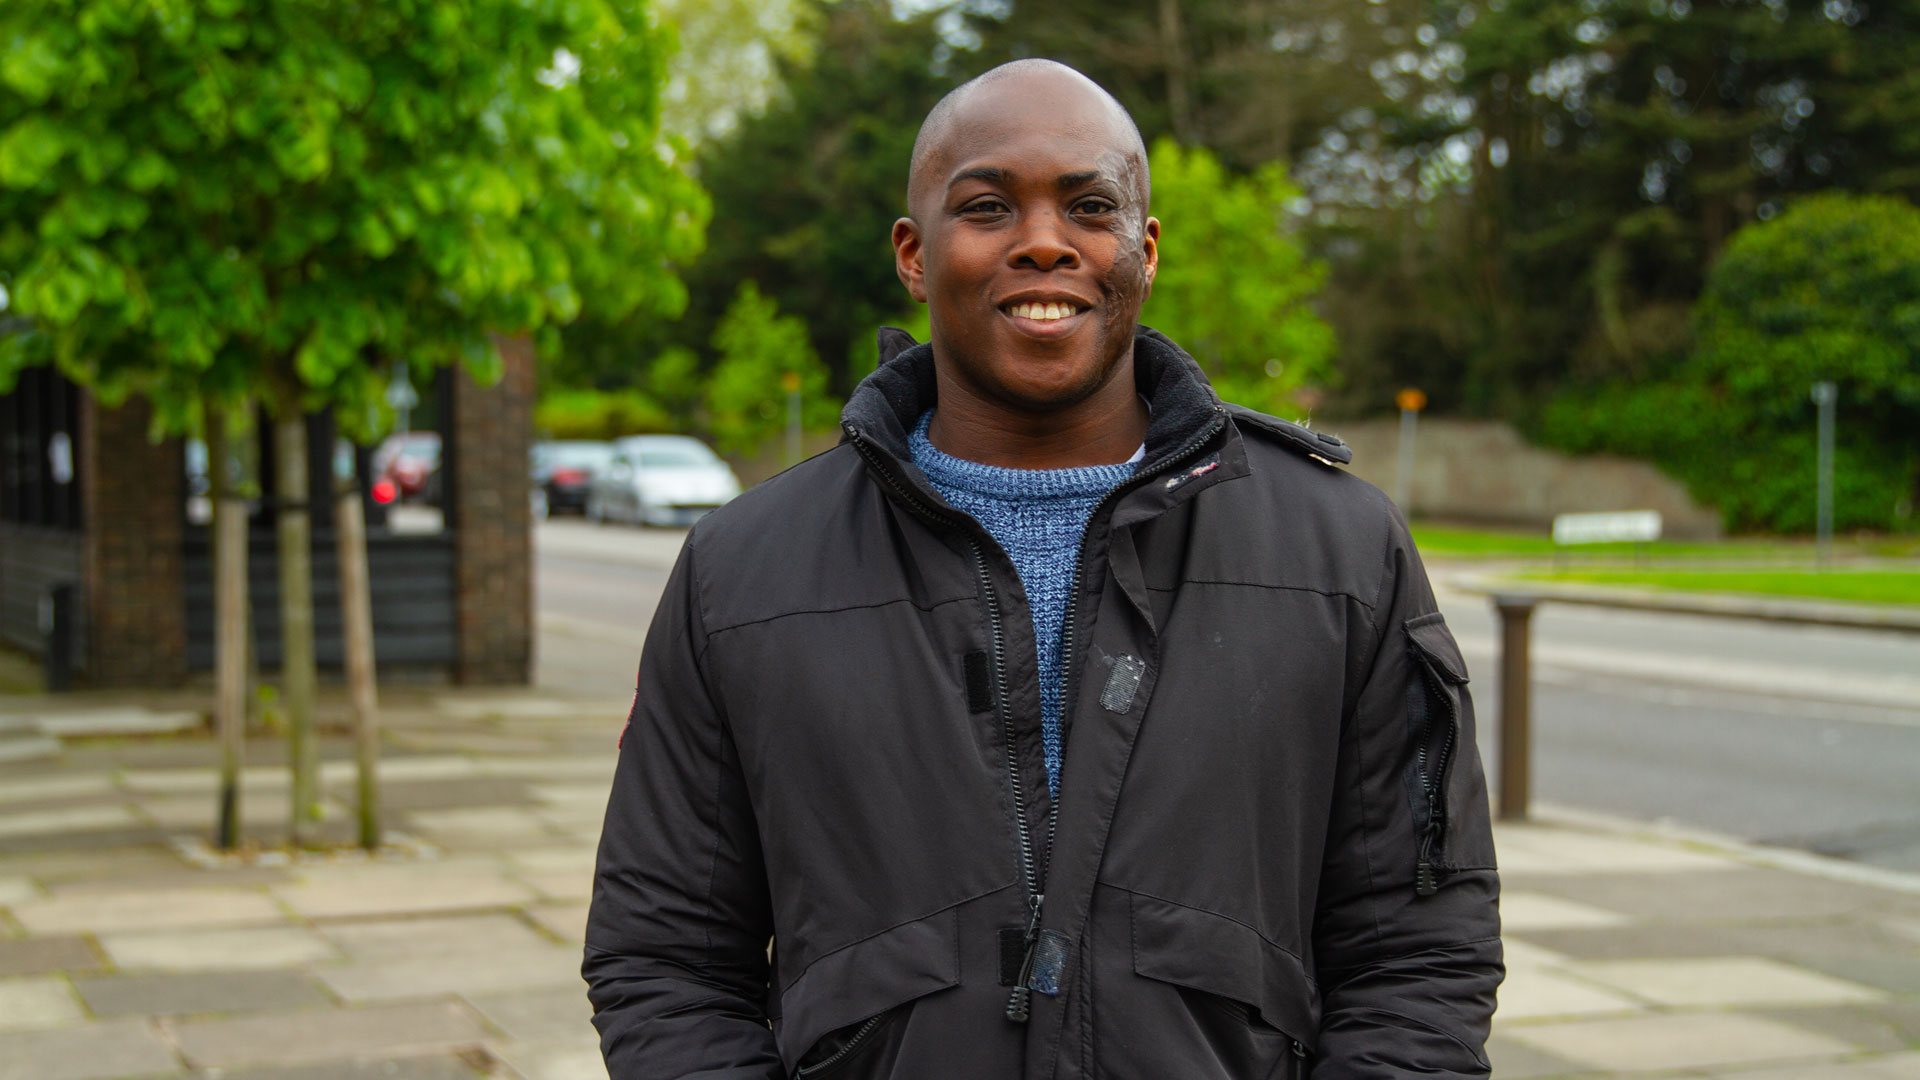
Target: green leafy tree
762,353
206,203
725,65
1235,287
806,193
1830,290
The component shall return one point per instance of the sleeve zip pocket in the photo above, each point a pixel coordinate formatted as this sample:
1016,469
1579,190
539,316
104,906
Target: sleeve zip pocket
1434,705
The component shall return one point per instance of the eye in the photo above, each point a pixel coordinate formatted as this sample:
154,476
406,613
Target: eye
1094,205
985,205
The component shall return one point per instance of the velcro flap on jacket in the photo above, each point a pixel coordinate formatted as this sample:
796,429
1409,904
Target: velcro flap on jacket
1432,640
1222,956
1123,682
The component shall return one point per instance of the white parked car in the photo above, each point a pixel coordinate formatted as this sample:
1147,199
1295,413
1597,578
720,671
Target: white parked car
660,480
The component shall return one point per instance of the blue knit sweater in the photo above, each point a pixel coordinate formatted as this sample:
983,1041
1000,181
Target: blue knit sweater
1039,516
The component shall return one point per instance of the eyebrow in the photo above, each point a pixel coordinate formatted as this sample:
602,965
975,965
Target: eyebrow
996,175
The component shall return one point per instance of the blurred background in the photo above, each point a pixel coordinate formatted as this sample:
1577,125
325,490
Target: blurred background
362,367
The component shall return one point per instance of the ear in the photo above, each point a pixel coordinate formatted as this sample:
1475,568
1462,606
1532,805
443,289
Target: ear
1150,248
908,261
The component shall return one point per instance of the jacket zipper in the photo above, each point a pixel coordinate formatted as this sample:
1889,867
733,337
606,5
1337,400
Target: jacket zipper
1019,1001
1426,880
847,1049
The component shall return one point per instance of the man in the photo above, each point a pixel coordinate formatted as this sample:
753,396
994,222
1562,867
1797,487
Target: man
1061,722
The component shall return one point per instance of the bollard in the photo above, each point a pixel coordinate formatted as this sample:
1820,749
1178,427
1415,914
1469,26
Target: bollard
56,622
1516,704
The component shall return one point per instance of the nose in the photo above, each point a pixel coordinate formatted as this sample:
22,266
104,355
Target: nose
1042,244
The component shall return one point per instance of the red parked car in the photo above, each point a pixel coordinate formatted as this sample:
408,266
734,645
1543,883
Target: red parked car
409,465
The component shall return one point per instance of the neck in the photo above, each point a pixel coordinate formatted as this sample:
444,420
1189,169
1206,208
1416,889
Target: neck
1104,429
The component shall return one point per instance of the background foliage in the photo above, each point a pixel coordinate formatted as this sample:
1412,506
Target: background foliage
1828,290
1234,286
249,195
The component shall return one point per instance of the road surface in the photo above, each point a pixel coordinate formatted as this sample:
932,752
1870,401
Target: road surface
1807,737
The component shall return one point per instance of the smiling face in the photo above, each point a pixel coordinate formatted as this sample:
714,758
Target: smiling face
1029,241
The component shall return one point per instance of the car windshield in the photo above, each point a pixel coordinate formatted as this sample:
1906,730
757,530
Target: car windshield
419,444
584,455
655,457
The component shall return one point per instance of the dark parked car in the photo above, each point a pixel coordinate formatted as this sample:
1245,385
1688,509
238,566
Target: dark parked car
564,471
409,464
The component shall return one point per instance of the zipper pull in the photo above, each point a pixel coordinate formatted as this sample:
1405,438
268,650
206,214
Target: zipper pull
1018,1002
1425,881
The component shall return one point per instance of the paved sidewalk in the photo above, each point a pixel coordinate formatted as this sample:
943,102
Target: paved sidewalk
125,953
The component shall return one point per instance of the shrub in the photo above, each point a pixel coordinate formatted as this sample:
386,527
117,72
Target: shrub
1829,290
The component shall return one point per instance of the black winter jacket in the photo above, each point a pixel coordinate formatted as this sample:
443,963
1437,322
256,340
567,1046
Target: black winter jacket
1271,855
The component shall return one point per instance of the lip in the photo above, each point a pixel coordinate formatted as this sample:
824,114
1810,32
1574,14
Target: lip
1045,329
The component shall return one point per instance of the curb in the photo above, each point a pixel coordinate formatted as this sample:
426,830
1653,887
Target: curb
1792,860
1901,620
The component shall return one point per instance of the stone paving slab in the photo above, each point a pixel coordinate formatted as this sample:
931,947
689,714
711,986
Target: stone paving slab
394,890
1522,911
1536,994
1737,894
1677,1041
116,720
104,912
66,867
37,1001
117,1049
18,789
191,993
493,824
1898,1067
36,956
308,1036
597,767
1514,1061
1728,981
474,971
425,938
561,885
555,1014
571,1060
405,795
28,748
14,890
1550,851
1878,1028
436,1067
566,920
67,820
246,949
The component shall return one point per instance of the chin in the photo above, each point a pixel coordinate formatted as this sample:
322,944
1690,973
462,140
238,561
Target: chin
1050,385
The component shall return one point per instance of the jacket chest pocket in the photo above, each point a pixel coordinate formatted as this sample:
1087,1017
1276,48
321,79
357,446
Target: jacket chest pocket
1210,998
846,1013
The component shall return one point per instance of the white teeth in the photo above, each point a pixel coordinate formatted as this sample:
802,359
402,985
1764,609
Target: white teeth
1043,312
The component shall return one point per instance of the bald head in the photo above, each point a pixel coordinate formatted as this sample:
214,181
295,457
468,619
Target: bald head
1016,89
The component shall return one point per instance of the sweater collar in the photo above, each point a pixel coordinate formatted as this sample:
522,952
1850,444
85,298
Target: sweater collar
886,405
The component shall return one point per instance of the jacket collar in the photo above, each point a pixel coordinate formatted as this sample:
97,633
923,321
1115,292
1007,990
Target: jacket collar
887,404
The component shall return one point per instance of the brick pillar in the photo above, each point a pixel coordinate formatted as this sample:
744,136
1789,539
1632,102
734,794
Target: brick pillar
134,513
489,436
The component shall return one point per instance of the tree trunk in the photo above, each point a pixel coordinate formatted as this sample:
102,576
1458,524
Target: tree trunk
1173,46
356,613
231,626
297,676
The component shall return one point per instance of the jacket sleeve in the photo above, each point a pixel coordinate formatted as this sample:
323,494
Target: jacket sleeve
676,944
1407,928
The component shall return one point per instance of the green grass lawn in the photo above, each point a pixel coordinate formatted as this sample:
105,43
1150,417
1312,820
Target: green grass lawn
1457,543
1856,586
